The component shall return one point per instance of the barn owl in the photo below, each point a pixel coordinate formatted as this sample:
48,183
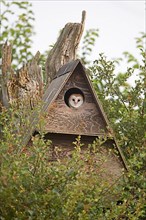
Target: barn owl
75,100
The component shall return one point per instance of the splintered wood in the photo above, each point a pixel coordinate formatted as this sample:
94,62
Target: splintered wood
30,83
23,88
65,48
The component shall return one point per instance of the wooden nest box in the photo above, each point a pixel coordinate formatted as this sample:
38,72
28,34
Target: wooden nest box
72,108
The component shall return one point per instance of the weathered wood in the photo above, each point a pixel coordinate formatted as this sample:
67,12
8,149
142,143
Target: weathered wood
87,120
50,94
23,88
30,83
6,72
65,48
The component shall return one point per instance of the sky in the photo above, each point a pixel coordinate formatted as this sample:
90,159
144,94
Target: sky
119,23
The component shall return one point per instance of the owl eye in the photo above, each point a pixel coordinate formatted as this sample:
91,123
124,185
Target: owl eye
73,99
78,100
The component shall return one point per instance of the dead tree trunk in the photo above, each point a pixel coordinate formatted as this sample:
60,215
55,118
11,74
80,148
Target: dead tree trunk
65,48
25,87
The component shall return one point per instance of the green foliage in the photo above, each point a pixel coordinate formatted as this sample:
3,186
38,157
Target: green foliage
17,27
33,187
124,103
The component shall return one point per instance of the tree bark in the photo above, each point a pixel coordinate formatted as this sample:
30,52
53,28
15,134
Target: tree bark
6,73
23,88
65,48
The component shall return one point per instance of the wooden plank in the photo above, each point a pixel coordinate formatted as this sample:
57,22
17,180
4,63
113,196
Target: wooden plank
69,67
51,93
86,120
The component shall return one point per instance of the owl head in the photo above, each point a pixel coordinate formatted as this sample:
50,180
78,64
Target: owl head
75,100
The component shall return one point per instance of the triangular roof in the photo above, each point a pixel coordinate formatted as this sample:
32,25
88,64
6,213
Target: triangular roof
53,91
61,79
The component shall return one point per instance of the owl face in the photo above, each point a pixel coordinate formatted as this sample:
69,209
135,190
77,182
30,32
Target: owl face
75,100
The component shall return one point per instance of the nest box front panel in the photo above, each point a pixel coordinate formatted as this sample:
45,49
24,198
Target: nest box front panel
109,165
75,110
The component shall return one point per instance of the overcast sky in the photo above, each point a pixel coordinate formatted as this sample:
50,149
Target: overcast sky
119,22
